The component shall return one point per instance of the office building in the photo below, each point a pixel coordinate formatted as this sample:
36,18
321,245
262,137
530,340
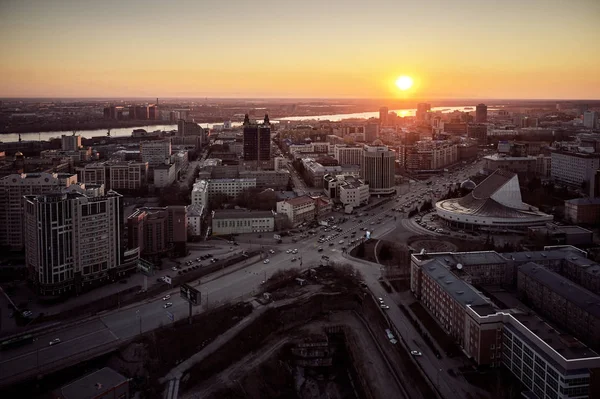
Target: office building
455,128
188,128
378,168
524,165
274,179
314,172
164,175
70,143
346,155
371,132
422,111
226,222
155,152
204,191
158,231
477,132
347,189
73,240
494,205
383,116
574,168
12,189
303,209
481,113
257,140
590,119
105,383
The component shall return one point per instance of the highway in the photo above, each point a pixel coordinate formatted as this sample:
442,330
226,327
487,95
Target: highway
120,325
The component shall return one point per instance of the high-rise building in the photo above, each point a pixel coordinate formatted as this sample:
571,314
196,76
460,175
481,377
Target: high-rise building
371,132
70,143
141,112
590,119
187,128
378,168
73,240
153,113
383,115
347,155
12,189
422,110
257,140
155,152
481,113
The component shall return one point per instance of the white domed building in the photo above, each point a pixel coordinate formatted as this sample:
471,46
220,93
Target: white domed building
494,205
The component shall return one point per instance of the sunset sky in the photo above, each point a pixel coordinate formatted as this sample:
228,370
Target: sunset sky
303,48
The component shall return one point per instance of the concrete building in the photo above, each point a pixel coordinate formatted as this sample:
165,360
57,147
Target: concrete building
347,189
158,231
195,213
568,304
383,116
12,189
116,175
280,163
275,179
200,193
187,128
526,165
257,140
494,205
550,364
348,155
590,119
73,241
105,383
164,175
226,222
378,168
481,113
204,191
155,152
70,143
562,235
314,172
583,211
303,209
574,168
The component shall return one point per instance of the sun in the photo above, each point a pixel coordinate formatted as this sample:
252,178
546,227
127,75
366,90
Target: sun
404,82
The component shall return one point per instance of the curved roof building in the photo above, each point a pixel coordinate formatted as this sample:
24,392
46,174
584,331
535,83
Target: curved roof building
495,204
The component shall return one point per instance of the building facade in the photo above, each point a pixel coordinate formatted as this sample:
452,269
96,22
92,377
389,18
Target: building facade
257,140
574,168
195,213
583,210
164,175
226,222
158,231
12,189
156,152
348,155
72,240
378,168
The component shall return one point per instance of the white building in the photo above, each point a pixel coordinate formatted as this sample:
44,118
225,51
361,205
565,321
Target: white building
156,152
574,168
70,143
13,188
205,190
180,159
297,210
347,155
378,168
164,175
280,163
354,192
225,222
200,193
590,119
73,240
194,219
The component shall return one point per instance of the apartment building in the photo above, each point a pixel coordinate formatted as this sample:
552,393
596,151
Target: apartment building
164,175
583,210
116,175
195,213
73,241
275,179
204,191
70,143
562,301
550,364
158,231
200,193
156,152
225,222
304,208
347,189
12,189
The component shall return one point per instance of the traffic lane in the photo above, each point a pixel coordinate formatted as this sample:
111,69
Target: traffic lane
44,340
51,354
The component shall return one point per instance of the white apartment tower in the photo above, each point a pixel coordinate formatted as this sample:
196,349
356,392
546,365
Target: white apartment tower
155,152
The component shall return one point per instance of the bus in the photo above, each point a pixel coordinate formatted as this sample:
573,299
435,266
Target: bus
16,341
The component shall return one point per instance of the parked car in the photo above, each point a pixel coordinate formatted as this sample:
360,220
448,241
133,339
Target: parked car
166,297
266,261
55,341
416,353
168,305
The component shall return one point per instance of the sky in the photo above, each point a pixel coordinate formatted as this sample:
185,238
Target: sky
521,49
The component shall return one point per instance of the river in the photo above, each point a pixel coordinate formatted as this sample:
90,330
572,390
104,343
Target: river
120,132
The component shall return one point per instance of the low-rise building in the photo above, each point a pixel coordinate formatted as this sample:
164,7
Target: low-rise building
240,221
524,165
563,235
304,208
158,231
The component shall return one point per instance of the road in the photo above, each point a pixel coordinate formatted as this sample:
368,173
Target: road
120,325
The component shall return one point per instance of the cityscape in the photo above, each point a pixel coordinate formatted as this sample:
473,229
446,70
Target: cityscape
299,200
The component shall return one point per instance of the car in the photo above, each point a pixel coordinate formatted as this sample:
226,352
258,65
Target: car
331,244
320,249
416,353
384,306
168,305
295,251
266,261
166,297
271,251
55,341
293,259
174,268
289,251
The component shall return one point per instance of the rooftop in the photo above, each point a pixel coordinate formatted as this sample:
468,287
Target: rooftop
241,214
574,293
93,385
304,199
584,201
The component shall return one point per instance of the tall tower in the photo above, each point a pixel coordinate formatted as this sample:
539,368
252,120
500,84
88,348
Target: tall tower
481,113
383,115
378,168
257,140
